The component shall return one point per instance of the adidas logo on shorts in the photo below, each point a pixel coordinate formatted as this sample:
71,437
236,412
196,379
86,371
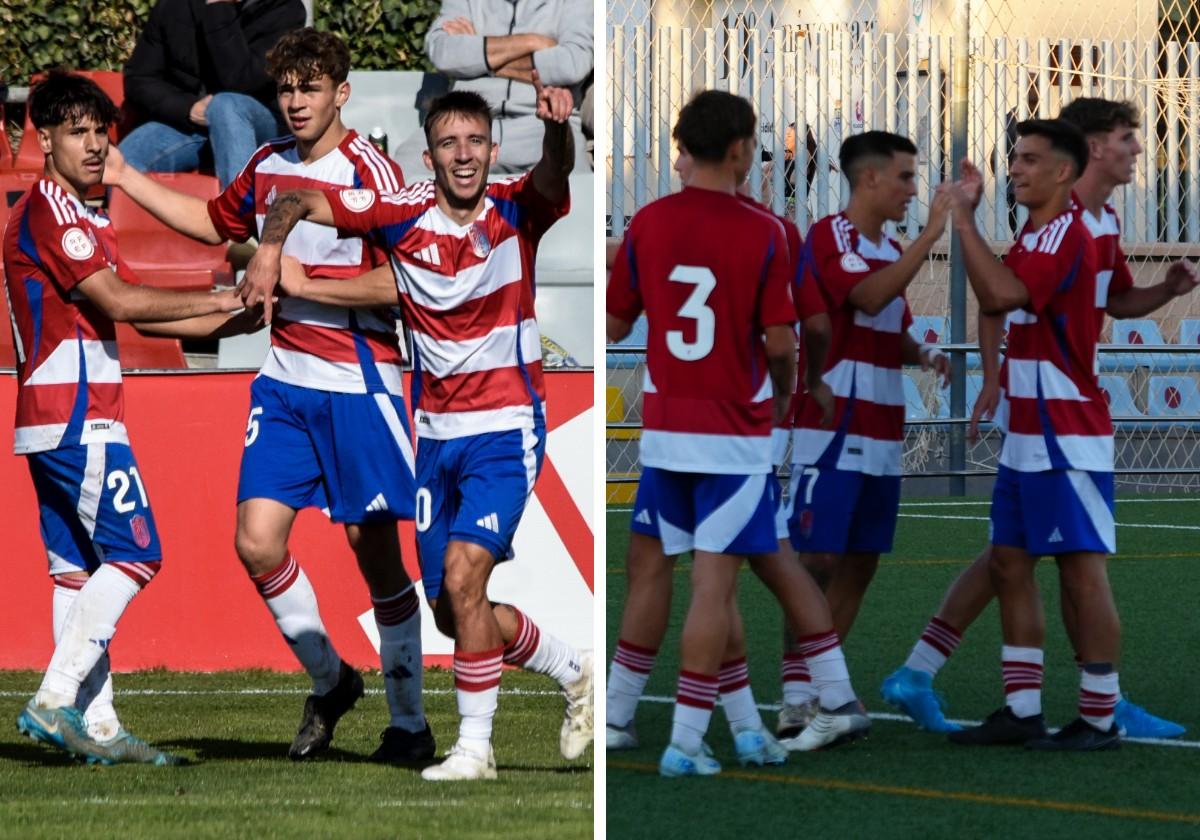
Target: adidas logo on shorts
1055,536
643,517
491,522
377,504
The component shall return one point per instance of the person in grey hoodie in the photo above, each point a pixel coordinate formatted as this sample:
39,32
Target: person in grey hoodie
491,47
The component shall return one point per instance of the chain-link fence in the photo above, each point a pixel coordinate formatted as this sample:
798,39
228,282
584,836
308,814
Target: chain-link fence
955,76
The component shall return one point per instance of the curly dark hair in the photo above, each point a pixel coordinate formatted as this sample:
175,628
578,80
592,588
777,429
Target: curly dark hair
1093,115
63,97
308,54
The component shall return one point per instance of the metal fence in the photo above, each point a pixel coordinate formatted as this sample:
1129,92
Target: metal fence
955,76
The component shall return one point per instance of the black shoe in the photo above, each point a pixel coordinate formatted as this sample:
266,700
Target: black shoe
1079,736
1002,727
399,746
322,712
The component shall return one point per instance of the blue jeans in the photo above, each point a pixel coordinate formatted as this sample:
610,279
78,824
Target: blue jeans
237,125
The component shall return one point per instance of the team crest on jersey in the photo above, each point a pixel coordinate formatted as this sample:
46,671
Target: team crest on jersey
480,244
141,531
357,200
854,263
77,245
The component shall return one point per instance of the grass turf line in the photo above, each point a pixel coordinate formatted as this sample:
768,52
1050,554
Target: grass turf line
1138,790
243,784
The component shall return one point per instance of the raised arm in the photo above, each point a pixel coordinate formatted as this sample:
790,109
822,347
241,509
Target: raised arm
996,287
185,213
1140,301
262,274
880,288
558,145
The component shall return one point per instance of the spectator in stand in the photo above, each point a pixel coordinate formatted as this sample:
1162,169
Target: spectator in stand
491,47
198,76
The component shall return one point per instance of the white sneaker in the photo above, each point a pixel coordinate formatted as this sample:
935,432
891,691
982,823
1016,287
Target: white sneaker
620,737
578,727
461,765
793,718
758,747
829,729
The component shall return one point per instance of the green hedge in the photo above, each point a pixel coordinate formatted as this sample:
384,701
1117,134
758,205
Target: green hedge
38,34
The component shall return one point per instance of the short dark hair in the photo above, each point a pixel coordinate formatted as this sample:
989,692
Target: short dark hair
63,97
859,150
712,121
1064,137
1093,115
463,103
308,54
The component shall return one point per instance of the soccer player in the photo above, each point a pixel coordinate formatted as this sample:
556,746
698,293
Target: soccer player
1053,492
650,570
845,483
462,257
328,427
1113,147
65,286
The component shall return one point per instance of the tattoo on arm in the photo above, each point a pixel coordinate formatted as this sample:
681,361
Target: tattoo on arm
287,210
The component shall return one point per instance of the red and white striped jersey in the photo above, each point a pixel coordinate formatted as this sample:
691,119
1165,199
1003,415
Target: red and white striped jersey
467,295
1112,269
706,404
68,372
1057,417
864,361
314,345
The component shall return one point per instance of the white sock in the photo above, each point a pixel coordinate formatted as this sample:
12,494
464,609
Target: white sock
542,653
399,621
631,666
291,599
827,667
1098,696
693,710
86,631
95,697
797,682
1022,671
477,688
737,698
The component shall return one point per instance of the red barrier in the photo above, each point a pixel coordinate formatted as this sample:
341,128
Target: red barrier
201,612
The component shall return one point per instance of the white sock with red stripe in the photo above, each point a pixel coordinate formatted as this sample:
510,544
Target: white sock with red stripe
631,666
1022,670
542,653
477,687
931,651
89,627
797,682
827,668
95,697
737,699
398,619
1099,691
291,599
693,710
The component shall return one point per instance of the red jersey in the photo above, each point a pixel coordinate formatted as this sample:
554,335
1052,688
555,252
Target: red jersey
467,294
707,394
1057,415
314,345
863,367
68,372
1112,269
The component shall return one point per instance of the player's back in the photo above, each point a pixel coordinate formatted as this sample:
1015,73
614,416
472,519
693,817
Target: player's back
712,273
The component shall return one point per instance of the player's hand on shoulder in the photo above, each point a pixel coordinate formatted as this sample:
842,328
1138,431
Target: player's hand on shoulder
554,104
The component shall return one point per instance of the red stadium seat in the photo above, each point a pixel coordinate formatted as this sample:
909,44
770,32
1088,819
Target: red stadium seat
151,248
13,185
29,154
138,351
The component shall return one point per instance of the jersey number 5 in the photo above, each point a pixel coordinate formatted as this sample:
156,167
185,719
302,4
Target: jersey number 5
694,308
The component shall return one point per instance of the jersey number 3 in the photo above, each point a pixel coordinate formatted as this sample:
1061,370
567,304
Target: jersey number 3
694,308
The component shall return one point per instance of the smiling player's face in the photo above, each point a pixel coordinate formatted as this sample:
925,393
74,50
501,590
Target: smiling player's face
461,153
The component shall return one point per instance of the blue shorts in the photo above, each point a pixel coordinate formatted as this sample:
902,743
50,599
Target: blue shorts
1054,512
473,489
842,512
350,455
93,507
724,514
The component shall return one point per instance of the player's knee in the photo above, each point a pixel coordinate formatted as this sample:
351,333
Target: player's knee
820,566
462,584
860,568
259,554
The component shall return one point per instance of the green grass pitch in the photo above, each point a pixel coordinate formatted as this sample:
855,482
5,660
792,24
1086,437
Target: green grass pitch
236,729
902,782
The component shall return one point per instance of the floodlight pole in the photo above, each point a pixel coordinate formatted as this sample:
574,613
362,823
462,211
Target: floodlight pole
958,268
